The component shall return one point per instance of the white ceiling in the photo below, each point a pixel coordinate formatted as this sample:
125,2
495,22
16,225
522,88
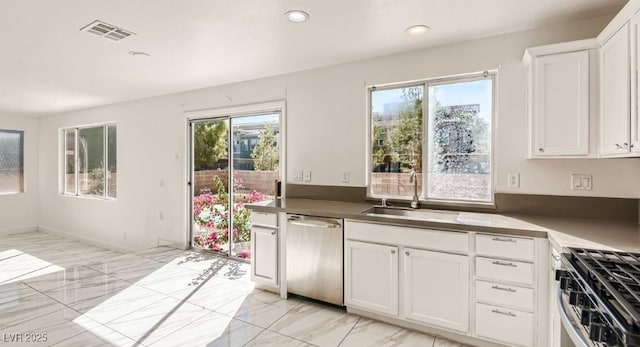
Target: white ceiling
48,65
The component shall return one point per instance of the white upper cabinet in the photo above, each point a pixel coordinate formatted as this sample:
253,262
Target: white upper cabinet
634,24
615,94
561,83
619,92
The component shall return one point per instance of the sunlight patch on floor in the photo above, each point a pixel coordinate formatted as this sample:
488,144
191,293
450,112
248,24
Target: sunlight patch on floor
16,265
194,283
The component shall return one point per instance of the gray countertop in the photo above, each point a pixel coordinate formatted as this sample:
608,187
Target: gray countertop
562,232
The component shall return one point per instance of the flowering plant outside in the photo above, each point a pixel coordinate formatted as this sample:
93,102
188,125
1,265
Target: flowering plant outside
211,216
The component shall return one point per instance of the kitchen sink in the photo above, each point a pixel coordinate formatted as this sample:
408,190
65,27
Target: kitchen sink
405,212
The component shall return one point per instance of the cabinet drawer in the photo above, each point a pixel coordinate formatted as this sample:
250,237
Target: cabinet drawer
438,240
505,295
505,247
510,326
268,219
504,270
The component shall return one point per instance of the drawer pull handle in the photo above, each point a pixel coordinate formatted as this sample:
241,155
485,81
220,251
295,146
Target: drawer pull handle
393,251
505,289
273,232
501,239
510,314
501,263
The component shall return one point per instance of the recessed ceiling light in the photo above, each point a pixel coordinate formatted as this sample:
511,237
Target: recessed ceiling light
297,16
417,29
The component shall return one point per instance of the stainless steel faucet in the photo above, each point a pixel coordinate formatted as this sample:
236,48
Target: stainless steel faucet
412,179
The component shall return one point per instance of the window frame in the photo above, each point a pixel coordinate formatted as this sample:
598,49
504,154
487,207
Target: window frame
22,188
105,157
426,84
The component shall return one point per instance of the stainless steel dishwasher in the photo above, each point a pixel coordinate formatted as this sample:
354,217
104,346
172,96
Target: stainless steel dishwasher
314,258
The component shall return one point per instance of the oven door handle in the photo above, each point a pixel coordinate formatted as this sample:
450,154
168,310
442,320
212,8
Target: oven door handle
570,328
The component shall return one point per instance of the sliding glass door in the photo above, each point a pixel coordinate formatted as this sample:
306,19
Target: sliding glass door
235,160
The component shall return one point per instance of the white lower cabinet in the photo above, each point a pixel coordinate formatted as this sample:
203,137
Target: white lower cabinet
371,277
507,295
485,287
507,325
436,288
264,258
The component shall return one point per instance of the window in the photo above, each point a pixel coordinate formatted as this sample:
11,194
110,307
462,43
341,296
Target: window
452,120
90,161
11,161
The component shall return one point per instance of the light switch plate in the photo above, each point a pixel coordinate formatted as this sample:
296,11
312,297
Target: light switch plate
298,175
581,182
307,175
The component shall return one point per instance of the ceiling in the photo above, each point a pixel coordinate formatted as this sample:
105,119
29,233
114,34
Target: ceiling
47,65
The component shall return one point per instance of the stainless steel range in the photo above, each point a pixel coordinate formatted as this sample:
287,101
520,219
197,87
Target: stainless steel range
599,297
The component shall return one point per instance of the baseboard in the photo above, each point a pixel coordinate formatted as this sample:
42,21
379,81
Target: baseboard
172,244
91,241
18,230
449,335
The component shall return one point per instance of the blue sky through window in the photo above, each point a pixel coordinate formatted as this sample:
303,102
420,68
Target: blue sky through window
466,93
271,117
461,93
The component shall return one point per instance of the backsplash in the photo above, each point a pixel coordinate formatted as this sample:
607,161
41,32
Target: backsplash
617,209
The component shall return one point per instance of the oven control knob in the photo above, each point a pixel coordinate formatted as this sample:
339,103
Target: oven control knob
585,316
575,298
596,332
565,283
610,337
560,274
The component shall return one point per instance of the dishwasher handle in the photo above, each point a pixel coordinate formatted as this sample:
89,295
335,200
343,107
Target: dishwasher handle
314,223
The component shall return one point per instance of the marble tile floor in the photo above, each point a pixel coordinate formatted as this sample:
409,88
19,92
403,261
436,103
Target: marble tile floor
76,294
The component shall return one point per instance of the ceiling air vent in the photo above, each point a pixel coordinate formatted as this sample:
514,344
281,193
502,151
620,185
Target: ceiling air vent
107,31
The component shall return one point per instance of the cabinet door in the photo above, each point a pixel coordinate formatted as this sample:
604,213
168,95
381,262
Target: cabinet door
560,122
615,94
436,289
635,93
264,257
371,277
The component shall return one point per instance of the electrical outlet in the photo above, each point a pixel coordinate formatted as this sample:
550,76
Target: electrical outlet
513,180
307,175
298,175
581,181
345,176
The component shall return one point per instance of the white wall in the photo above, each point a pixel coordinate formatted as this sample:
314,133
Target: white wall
326,133
19,212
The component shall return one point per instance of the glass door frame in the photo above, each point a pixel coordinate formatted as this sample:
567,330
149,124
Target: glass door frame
227,114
